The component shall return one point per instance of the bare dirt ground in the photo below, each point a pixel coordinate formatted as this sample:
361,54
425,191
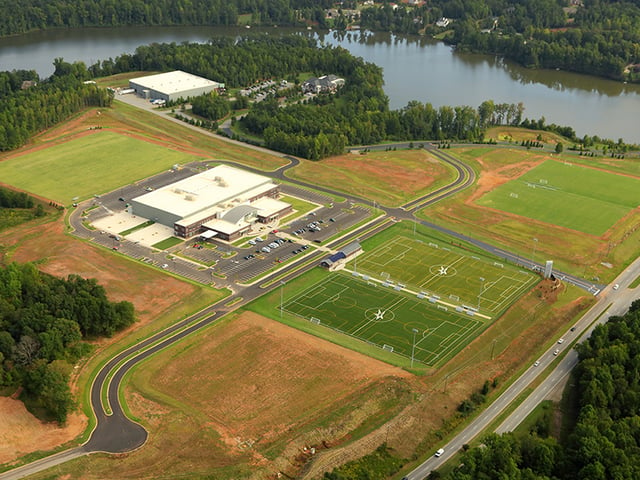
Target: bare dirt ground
391,177
22,433
253,393
61,255
261,391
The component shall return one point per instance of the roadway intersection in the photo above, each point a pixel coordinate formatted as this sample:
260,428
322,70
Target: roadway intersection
115,433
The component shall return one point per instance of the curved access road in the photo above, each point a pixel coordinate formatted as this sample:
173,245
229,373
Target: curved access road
114,431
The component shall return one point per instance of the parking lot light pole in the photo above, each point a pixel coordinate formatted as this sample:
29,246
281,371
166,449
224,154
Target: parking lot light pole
413,347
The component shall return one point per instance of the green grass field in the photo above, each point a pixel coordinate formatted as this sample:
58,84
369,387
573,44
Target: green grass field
580,198
448,296
448,273
385,318
93,164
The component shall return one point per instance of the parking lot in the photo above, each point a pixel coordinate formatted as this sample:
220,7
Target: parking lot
216,261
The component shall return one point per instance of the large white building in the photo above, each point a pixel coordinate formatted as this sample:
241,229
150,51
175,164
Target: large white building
172,86
223,200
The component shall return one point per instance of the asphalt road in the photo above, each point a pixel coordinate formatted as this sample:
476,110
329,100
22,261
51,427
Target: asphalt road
115,433
613,302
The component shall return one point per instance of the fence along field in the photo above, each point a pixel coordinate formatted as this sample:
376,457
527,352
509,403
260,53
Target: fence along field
447,297
583,199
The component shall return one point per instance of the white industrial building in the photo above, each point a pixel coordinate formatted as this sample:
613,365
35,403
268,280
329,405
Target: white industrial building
172,86
224,200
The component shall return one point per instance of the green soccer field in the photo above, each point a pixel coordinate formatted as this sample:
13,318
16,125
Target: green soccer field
452,276
93,164
580,198
446,294
386,318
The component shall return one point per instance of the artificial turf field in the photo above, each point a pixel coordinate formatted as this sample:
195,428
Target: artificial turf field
406,284
93,164
567,195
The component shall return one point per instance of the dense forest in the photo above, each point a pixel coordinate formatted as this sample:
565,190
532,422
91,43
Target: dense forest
28,108
43,322
42,14
596,37
604,443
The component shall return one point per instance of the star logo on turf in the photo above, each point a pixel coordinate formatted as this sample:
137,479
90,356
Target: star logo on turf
380,314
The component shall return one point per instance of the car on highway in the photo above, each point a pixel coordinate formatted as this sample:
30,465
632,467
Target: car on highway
556,351
561,341
616,286
537,362
439,452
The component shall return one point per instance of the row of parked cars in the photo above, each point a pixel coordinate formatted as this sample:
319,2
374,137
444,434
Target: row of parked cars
273,245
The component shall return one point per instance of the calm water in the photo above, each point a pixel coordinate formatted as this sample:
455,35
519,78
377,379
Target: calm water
414,69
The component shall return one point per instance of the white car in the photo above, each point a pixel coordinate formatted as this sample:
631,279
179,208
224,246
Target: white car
536,363
616,286
439,452
561,340
165,265
556,351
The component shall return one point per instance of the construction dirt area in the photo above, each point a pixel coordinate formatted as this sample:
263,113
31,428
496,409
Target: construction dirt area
251,396
61,255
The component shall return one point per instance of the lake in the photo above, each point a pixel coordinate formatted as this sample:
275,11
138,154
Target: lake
415,68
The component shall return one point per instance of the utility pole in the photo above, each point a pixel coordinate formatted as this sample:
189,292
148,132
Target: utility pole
413,348
533,253
282,283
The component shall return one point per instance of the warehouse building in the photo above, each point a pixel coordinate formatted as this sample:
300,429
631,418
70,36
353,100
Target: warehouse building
172,86
223,201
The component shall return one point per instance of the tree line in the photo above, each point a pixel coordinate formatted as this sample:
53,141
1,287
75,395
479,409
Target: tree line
358,114
43,322
25,112
44,14
604,441
596,37
13,199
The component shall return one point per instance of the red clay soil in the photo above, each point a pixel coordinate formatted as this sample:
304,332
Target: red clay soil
404,179
59,254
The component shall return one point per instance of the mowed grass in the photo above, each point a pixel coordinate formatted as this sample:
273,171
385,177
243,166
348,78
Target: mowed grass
385,317
93,164
448,296
443,272
583,199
